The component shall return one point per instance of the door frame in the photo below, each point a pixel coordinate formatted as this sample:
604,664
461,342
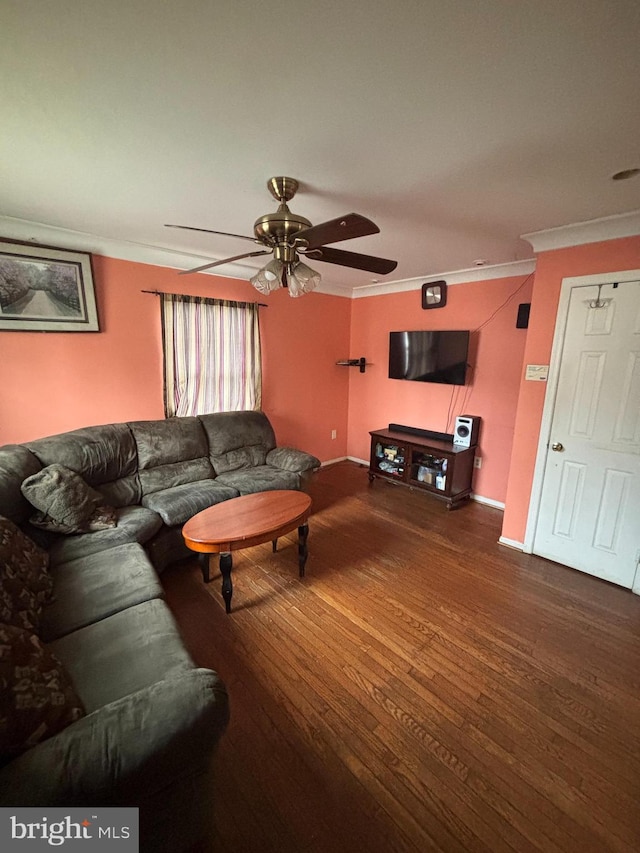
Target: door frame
552,390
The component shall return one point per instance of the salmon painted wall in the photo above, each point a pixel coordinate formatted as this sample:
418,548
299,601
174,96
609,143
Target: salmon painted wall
489,310
53,382
551,268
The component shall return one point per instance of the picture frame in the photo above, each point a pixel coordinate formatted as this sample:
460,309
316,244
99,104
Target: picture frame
46,289
434,294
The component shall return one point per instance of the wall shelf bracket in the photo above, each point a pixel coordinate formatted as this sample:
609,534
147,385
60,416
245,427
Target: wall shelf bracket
354,362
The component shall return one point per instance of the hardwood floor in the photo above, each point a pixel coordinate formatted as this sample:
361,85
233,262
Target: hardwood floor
422,688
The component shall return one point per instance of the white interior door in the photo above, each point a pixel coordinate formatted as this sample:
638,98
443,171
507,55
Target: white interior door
589,516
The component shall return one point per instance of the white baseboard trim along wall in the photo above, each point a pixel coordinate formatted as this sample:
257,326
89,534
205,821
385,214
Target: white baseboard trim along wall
338,459
488,501
511,543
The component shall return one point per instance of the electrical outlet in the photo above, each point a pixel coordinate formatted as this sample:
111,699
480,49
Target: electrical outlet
334,433
477,461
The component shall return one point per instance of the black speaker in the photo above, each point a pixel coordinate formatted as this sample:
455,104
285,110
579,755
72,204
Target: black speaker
522,321
467,430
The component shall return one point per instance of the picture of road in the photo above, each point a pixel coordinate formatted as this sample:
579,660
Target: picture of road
39,289
39,303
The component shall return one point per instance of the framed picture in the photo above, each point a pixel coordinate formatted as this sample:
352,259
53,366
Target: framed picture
44,289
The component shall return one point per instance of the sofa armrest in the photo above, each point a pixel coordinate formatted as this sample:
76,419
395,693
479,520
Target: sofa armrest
126,751
290,459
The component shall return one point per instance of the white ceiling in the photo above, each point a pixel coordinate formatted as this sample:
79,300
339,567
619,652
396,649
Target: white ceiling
456,125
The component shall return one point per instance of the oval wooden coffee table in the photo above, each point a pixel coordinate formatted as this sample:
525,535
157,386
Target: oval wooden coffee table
243,522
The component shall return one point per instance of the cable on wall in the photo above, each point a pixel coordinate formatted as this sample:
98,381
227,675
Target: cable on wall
469,389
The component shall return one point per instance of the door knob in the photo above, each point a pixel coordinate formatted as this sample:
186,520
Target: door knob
557,447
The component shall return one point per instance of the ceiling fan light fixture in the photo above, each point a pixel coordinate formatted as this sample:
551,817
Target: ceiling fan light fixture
302,279
269,278
285,234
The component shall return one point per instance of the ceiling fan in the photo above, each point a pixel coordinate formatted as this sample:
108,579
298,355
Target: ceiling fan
287,236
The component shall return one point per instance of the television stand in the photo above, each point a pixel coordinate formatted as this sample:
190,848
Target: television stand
439,467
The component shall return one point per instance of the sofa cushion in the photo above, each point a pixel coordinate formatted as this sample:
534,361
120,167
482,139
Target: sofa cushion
37,699
291,459
243,457
102,455
65,503
179,504
135,524
264,478
125,491
25,583
16,464
170,453
175,474
122,654
96,586
171,440
230,431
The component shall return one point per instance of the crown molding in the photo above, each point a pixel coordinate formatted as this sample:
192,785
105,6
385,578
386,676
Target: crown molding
484,273
579,233
333,289
126,250
592,231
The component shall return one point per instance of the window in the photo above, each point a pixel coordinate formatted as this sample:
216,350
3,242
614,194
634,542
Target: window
212,360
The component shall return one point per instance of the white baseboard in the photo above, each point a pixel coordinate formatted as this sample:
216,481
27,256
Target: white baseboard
511,543
364,462
488,501
333,461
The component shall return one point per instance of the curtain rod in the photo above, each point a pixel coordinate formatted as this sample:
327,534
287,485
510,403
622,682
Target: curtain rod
164,293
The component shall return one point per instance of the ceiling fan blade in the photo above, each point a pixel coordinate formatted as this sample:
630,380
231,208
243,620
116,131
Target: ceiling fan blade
224,261
343,228
208,231
382,266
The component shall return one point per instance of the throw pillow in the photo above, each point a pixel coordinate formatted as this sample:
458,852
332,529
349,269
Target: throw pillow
65,503
25,583
37,699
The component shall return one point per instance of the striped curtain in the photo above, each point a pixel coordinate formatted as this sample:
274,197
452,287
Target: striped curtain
212,360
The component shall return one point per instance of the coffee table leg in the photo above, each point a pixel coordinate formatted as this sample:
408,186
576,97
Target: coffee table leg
204,560
303,532
226,565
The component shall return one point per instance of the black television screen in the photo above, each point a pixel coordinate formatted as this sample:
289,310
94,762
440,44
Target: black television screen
429,356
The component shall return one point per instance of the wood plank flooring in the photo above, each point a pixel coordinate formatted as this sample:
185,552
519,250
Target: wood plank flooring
422,688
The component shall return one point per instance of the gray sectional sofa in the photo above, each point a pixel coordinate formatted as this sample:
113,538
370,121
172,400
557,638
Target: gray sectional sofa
156,474
151,718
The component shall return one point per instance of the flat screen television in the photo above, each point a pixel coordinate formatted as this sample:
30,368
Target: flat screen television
423,356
